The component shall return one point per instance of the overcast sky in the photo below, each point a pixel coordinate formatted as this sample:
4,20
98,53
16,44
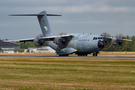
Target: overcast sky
88,16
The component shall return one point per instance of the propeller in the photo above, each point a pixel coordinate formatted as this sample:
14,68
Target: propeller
119,36
107,41
119,42
105,34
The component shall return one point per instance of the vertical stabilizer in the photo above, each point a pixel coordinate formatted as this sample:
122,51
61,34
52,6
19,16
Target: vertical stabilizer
44,24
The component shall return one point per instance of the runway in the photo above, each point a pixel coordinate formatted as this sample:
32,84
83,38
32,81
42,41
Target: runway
109,57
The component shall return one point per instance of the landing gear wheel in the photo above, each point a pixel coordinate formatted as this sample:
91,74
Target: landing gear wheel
82,54
60,55
64,55
95,54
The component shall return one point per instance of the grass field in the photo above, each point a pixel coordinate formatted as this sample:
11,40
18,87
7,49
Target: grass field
65,73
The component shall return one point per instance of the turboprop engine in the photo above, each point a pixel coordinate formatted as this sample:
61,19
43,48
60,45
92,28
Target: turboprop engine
62,42
59,41
120,42
38,41
118,39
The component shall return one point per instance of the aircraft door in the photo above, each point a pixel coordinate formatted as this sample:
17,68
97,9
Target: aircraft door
88,44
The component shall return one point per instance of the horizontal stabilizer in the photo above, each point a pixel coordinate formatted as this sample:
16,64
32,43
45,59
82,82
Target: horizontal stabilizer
27,15
40,14
53,15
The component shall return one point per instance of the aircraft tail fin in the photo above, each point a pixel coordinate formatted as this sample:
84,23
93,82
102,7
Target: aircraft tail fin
43,21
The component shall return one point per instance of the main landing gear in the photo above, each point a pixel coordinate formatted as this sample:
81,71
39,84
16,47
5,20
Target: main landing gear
64,55
94,54
82,54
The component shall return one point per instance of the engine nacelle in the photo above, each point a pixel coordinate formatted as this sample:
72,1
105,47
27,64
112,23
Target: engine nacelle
117,42
62,42
59,41
38,41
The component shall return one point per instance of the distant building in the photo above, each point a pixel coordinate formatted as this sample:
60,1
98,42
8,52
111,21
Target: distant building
41,49
7,50
8,47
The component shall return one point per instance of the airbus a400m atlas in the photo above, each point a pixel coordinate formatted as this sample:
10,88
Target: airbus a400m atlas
65,44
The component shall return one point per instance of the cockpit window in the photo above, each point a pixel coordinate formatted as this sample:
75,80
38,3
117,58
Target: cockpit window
95,38
100,38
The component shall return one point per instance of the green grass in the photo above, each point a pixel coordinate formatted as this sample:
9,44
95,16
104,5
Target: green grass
65,73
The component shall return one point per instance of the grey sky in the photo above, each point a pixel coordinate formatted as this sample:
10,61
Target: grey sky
89,16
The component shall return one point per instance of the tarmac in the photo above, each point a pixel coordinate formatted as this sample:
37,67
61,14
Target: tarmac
109,57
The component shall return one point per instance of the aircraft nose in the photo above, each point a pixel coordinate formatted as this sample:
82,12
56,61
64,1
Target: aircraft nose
101,44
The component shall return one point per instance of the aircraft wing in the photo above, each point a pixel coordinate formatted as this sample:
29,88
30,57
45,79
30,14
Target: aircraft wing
111,38
126,40
48,38
21,40
53,37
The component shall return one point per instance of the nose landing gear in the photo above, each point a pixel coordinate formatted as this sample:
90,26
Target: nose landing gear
95,54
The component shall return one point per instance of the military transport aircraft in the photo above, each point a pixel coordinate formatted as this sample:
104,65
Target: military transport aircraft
65,44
